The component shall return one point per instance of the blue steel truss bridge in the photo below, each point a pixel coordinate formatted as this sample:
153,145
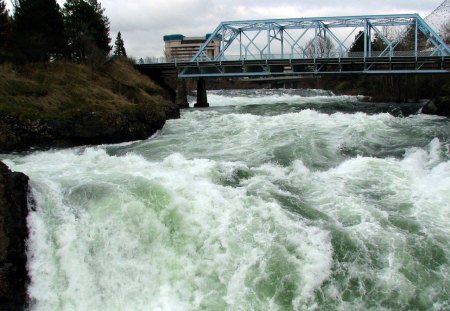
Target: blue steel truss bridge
380,44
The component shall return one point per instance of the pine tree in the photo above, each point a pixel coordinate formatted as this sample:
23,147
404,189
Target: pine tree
3,10
378,44
4,29
408,41
38,29
358,44
101,33
87,29
119,46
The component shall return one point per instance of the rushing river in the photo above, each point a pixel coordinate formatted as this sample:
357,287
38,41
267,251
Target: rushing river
268,200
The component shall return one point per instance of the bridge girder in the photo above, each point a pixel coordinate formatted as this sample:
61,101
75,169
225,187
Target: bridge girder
322,66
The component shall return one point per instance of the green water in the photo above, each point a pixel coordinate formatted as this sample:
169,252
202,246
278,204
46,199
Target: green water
269,200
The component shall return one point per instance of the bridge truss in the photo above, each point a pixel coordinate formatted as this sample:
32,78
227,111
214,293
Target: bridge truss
369,44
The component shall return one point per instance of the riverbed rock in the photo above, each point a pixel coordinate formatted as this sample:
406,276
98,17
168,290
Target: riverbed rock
439,106
18,133
13,234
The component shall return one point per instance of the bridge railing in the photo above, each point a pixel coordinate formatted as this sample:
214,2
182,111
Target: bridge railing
338,55
237,57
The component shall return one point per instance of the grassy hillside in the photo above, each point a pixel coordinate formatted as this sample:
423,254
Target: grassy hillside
57,93
60,89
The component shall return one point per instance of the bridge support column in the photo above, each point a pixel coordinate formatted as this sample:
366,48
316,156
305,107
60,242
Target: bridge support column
181,98
202,100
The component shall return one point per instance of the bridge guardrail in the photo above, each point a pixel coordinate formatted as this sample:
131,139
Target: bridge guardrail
325,55
302,56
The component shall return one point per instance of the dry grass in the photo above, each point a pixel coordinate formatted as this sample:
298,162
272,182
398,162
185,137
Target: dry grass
59,90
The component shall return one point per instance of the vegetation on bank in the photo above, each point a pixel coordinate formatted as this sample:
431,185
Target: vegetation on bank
435,89
60,89
59,84
393,88
44,103
40,30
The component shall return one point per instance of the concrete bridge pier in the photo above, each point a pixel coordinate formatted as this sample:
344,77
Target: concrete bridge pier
202,100
181,97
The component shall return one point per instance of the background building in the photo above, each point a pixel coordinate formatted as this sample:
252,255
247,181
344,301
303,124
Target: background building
181,48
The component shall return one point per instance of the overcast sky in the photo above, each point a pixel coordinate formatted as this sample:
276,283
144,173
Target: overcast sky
143,23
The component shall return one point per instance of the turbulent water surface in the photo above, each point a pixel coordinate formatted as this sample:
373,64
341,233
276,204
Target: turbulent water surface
268,200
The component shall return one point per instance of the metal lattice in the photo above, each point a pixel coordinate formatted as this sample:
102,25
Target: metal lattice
331,37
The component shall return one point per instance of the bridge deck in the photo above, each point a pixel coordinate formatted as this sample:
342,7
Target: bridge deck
319,66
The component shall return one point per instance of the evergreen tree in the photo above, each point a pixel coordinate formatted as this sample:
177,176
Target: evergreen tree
408,42
4,29
119,47
102,31
378,44
358,44
87,30
38,29
3,10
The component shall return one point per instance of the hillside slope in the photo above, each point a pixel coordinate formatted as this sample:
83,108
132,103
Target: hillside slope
66,104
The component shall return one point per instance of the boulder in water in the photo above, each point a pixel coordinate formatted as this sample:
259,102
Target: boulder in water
439,106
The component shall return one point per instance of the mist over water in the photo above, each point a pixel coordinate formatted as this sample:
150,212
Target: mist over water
268,200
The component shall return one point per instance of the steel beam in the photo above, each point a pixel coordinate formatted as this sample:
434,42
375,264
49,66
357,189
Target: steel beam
323,66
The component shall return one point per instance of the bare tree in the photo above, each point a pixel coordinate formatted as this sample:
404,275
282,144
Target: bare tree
319,47
446,32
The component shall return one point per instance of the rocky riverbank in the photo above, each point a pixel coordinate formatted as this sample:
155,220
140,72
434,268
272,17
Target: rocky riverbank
441,104
65,104
13,234
62,105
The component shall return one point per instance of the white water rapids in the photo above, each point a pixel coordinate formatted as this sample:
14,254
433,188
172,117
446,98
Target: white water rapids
269,200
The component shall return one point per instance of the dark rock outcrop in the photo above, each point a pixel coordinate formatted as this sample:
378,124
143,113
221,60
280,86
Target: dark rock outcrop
13,234
439,106
18,133
110,104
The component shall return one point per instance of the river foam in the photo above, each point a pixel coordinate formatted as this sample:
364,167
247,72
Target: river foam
126,233
220,98
229,210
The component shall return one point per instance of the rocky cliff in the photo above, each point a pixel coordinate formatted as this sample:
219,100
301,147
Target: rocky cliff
13,234
439,106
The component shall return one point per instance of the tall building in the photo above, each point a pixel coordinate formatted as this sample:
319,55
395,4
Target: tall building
181,48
